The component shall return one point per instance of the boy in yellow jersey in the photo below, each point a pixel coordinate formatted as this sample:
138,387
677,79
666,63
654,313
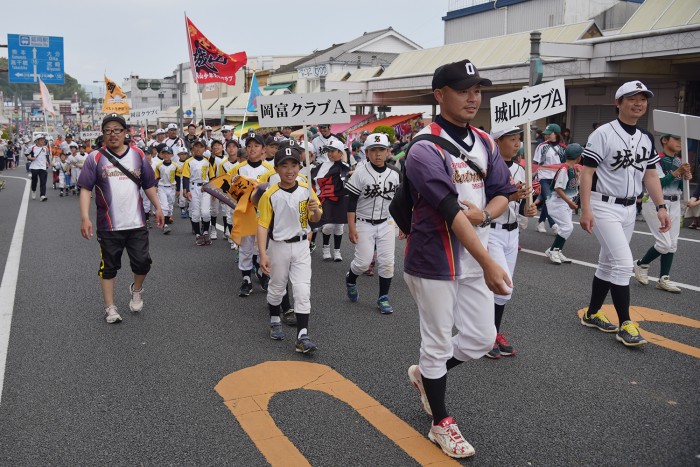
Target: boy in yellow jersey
253,168
196,172
286,256
167,174
223,168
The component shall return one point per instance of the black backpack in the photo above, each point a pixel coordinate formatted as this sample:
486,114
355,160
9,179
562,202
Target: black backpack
401,207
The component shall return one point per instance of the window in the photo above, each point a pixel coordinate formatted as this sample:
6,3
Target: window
144,99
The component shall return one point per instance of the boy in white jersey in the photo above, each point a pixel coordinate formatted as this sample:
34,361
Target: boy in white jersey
561,204
227,164
78,161
504,233
167,174
253,168
288,203
62,166
196,172
180,155
216,158
372,187
71,159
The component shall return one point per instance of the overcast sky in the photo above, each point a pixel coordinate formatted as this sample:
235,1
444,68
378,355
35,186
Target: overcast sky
147,37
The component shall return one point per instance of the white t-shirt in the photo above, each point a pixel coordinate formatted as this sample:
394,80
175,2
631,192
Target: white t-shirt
42,157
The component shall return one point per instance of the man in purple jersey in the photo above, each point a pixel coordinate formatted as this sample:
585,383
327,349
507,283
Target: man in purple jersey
121,222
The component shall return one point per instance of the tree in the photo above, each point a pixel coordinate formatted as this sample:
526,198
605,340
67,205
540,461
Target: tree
26,91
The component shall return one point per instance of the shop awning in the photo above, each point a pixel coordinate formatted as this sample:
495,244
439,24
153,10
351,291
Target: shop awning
388,121
248,126
355,120
274,87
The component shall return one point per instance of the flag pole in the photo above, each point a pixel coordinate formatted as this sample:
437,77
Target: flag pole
194,72
245,112
308,160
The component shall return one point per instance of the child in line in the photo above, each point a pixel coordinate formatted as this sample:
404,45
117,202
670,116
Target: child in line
215,159
561,204
286,257
167,174
196,173
62,167
232,148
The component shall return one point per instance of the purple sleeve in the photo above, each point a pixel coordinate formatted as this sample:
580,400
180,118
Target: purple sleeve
425,169
88,174
148,177
498,180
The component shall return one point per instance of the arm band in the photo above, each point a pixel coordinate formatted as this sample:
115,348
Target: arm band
449,208
352,202
186,183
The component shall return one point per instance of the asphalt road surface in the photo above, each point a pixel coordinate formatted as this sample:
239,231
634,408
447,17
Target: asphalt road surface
78,391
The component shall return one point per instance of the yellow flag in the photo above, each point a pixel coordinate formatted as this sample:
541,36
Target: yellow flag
115,100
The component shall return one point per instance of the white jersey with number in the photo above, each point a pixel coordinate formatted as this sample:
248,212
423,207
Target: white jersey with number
374,189
620,158
510,215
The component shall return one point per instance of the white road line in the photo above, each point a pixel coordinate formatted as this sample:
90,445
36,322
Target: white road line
594,266
8,285
650,234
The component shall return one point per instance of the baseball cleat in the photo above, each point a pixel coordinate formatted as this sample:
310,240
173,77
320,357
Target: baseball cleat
446,434
641,272
416,379
666,284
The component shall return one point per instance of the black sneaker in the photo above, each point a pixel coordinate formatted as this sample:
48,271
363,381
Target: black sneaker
494,353
264,282
246,288
629,335
599,321
504,347
289,318
305,345
276,331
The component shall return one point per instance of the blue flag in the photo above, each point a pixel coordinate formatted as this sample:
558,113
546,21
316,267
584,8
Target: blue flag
254,93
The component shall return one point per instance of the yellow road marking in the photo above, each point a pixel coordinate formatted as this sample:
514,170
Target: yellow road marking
639,314
247,393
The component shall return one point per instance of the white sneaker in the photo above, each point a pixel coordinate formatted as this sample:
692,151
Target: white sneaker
33,194
326,252
136,302
446,434
166,229
667,285
541,228
111,315
555,230
336,256
641,273
416,380
553,255
563,258
212,233
233,245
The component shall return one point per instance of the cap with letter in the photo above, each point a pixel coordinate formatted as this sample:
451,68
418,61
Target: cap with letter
551,128
377,140
208,128
631,88
172,126
39,136
272,141
165,148
290,152
226,128
335,144
458,75
252,136
197,141
160,131
505,132
114,118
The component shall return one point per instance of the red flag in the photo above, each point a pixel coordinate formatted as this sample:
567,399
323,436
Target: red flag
209,64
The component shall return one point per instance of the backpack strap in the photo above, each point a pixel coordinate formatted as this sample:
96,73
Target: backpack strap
119,166
447,146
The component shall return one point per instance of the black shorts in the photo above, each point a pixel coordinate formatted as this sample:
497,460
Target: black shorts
112,244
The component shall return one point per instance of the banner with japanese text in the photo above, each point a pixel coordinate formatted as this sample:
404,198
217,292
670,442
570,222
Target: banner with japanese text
300,109
143,115
115,100
209,64
527,105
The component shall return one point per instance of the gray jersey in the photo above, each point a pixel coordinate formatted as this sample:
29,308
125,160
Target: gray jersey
620,159
375,190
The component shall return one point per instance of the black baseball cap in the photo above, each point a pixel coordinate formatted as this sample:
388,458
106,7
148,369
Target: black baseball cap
166,148
287,153
254,137
271,140
197,141
458,75
114,118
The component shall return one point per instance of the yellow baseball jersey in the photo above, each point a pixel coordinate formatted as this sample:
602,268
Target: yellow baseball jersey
273,177
198,171
285,212
248,171
224,167
165,174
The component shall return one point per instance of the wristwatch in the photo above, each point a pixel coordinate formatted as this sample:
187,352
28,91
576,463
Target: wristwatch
661,206
487,220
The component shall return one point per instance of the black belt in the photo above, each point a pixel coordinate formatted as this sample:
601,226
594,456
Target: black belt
671,198
622,201
197,184
299,238
508,227
372,221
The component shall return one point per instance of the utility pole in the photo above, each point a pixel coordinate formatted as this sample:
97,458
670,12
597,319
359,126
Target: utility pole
179,89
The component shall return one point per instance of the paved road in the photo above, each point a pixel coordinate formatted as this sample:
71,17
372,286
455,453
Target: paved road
80,392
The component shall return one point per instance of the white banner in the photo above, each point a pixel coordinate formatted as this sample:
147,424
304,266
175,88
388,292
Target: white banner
86,135
300,109
529,104
141,115
685,126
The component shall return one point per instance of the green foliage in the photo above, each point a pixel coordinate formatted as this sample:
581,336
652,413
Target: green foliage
5,135
26,91
387,130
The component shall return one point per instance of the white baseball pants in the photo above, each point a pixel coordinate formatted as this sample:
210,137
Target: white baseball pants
290,262
166,196
335,229
200,205
383,235
503,248
146,202
466,304
613,228
246,250
666,242
215,206
561,213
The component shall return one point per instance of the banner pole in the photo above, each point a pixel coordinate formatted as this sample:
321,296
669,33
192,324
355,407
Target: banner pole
308,159
528,163
684,157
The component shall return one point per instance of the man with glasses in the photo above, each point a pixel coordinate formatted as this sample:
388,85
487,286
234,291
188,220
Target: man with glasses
121,222
172,140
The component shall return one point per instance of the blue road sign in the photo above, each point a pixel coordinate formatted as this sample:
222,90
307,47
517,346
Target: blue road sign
34,57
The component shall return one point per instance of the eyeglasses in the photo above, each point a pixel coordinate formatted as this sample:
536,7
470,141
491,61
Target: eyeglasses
116,131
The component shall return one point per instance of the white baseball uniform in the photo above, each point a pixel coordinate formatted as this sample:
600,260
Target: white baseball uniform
621,156
375,188
199,172
666,242
566,179
165,174
320,142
